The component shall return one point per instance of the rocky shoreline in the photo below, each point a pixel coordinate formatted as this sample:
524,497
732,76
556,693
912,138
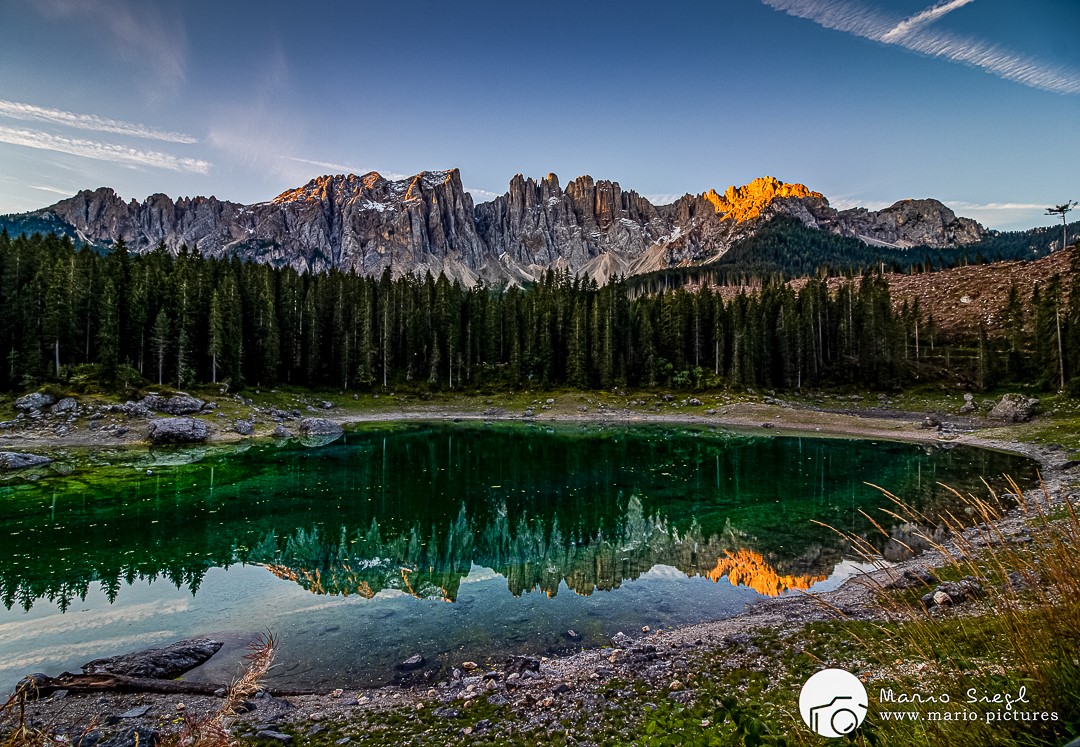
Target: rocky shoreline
540,691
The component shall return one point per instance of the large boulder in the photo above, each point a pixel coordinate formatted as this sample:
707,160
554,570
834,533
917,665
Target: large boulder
1014,408
314,432
34,401
178,404
67,404
17,460
178,431
163,663
319,427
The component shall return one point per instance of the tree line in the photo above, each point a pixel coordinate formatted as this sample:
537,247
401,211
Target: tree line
76,315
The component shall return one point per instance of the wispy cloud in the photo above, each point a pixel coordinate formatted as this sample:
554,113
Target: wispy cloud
29,112
342,168
482,195
54,190
846,202
1002,206
142,34
912,33
101,151
663,199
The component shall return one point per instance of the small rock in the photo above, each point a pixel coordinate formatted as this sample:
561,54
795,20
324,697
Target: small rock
941,599
675,685
274,736
138,736
244,427
521,664
136,712
337,693
413,662
573,635
469,666
621,640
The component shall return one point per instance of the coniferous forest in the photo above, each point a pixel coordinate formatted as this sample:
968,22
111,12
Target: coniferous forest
76,315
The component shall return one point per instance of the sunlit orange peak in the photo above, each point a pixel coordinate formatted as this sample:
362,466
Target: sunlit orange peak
745,567
747,202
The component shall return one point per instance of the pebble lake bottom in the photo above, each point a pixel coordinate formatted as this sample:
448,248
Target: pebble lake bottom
455,541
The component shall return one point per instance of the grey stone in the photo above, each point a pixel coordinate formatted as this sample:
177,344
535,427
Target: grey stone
178,431
178,404
319,427
34,401
413,662
1014,408
137,736
522,664
18,460
137,712
166,662
244,427
274,736
67,404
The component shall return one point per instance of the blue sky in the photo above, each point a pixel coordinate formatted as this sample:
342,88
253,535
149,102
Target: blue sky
975,102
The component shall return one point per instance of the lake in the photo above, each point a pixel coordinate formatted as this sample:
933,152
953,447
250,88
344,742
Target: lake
454,540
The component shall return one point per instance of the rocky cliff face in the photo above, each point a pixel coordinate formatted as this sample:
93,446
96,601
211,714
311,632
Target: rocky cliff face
591,227
369,224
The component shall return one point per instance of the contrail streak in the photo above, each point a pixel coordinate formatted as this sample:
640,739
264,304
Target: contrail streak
911,33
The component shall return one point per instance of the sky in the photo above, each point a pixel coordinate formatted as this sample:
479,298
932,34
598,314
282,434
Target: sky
973,102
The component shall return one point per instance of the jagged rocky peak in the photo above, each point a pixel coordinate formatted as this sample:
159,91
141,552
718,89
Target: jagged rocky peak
910,223
749,201
373,187
428,222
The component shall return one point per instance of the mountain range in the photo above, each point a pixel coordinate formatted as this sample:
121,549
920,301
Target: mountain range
428,222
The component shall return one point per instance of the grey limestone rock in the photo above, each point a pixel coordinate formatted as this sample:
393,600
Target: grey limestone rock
1014,408
19,460
427,222
178,431
177,404
166,662
34,401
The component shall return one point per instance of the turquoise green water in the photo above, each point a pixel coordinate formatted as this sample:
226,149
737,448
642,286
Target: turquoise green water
458,541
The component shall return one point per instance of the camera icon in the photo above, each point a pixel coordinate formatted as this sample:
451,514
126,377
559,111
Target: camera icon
833,703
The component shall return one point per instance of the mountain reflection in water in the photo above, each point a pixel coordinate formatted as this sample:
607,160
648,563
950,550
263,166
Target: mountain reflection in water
532,557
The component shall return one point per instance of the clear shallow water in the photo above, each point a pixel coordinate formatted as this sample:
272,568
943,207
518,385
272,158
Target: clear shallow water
459,541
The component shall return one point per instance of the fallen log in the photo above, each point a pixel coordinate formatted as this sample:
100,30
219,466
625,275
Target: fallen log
36,685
